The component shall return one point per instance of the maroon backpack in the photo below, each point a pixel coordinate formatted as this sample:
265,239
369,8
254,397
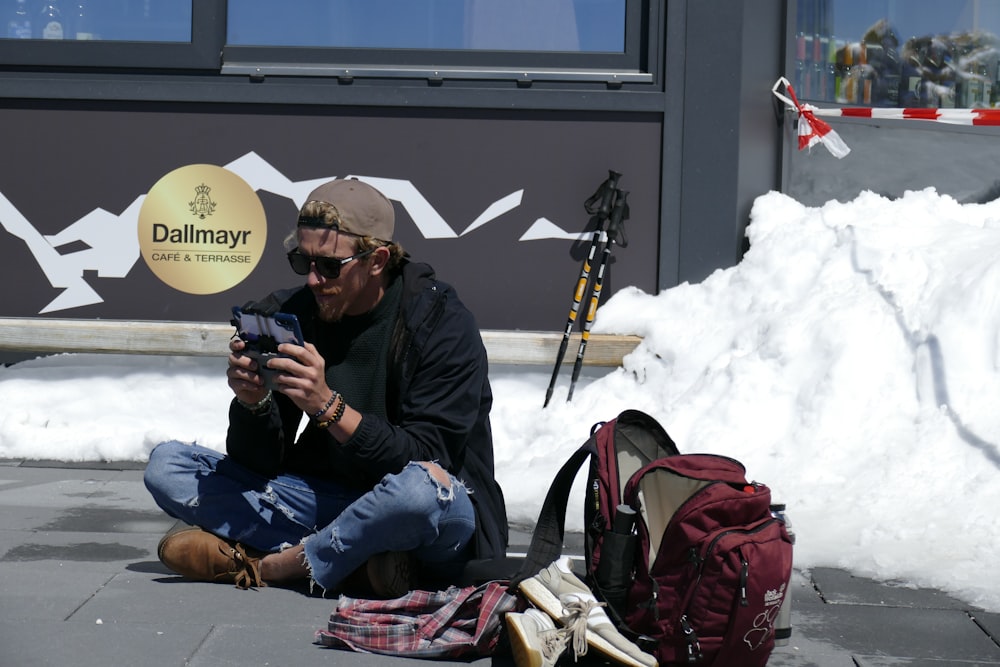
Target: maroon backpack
712,565
617,449
682,548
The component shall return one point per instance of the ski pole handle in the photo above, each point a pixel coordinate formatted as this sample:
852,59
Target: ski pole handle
607,192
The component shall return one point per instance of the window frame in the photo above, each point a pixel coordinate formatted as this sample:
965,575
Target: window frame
208,51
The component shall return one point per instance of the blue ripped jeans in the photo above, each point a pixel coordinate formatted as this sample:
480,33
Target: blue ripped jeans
341,527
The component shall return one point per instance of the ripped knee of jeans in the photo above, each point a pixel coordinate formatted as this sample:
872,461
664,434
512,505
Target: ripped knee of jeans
442,480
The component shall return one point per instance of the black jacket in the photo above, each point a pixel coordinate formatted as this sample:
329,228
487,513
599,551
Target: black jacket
438,400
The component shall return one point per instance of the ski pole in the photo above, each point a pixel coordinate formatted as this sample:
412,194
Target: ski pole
616,228
599,205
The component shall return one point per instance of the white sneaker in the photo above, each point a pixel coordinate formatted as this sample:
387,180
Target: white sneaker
558,592
534,639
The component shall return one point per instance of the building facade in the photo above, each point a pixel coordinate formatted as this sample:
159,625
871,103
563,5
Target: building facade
156,150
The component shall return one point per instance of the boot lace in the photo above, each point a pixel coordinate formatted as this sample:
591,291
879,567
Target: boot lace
244,569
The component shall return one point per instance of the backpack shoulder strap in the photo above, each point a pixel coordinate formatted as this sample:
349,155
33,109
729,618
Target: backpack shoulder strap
547,539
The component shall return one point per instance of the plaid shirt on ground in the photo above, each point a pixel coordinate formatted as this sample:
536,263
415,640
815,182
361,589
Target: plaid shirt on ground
453,623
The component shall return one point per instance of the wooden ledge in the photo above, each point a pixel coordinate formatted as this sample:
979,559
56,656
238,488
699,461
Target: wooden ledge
209,339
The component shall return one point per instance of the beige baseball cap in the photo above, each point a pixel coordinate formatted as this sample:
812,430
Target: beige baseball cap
360,208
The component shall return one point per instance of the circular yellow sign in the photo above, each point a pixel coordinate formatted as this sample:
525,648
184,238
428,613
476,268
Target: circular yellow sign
202,229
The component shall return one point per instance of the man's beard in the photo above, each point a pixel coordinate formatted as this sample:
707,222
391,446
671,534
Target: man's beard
329,313
327,309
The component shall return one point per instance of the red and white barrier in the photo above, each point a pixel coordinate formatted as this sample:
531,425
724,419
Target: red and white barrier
952,116
812,130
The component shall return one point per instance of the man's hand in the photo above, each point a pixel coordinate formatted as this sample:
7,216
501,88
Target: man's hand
302,376
244,380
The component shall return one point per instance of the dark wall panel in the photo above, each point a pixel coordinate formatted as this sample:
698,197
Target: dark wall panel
64,160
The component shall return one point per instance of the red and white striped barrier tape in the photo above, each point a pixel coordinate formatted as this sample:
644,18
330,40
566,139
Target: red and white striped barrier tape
952,116
813,130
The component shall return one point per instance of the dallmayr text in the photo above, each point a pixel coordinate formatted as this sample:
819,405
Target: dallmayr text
189,234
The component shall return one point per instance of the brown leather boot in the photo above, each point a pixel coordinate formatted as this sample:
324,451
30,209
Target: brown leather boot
197,554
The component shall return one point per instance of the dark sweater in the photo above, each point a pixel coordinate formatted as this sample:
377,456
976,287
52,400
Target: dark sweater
437,405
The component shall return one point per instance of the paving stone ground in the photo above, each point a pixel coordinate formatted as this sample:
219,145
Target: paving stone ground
80,585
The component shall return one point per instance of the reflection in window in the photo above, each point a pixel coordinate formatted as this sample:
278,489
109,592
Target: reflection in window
488,25
121,20
898,53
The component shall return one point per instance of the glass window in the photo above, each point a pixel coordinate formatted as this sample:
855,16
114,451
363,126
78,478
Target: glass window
897,53
479,25
104,20
598,41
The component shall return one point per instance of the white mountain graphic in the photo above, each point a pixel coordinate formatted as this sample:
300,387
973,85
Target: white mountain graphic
109,245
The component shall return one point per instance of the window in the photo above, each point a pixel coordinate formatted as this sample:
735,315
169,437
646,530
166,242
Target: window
562,40
125,20
173,34
487,25
439,39
897,53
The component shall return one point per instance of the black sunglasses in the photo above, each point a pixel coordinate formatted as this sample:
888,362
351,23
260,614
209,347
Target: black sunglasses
328,267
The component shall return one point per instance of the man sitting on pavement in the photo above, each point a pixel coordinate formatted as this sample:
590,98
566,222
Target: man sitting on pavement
395,466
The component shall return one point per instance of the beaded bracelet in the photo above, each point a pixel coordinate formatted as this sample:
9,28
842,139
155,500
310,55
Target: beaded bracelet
258,407
337,415
333,397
